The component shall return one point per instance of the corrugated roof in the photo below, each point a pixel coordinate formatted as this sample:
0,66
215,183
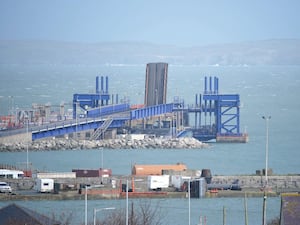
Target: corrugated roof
14,214
156,169
290,209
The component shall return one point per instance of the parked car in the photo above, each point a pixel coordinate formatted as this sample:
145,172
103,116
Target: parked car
4,187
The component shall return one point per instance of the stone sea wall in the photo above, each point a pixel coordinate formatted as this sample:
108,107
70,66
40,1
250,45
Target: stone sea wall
65,144
255,181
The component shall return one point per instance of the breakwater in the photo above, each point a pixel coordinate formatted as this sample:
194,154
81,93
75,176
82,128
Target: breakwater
21,144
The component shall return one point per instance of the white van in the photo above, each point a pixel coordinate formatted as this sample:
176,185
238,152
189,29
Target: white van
4,187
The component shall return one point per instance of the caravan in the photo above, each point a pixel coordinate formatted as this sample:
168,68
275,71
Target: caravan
11,174
44,185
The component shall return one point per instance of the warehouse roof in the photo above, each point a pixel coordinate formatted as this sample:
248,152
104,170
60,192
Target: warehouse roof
290,209
14,214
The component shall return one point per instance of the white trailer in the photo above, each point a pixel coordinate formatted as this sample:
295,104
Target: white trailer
158,182
11,174
44,185
178,180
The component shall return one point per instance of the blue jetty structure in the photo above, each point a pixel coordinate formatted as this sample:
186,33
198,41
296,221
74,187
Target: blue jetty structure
216,116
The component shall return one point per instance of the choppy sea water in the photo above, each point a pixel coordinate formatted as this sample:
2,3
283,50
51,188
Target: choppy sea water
269,90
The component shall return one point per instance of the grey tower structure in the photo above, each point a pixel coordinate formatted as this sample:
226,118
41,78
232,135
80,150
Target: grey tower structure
156,83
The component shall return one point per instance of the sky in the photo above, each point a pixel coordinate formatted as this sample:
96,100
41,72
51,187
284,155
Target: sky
172,22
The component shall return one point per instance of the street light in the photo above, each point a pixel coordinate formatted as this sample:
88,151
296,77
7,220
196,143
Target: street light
98,210
267,147
85,199
264,220
127,202
27,140
102,166
189,190
127,210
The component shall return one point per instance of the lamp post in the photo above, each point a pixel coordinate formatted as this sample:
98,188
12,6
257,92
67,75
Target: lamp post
126,202
102,166
264,220
27,140
98,210
27,157
85,200
267,118
127,198
189,190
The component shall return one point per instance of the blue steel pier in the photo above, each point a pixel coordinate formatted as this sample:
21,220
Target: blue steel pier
216,116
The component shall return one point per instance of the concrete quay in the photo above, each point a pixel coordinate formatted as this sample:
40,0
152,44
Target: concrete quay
70,188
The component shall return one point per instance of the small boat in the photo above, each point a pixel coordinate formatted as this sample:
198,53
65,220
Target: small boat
214,191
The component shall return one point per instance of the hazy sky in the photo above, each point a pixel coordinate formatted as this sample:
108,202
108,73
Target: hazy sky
182,23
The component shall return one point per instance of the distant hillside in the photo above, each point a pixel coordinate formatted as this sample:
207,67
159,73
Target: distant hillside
268,52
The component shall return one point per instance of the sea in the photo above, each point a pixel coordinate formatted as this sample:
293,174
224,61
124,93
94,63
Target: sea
264,91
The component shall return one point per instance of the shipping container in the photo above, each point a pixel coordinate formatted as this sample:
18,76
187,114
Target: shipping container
198,188
92,172
145,170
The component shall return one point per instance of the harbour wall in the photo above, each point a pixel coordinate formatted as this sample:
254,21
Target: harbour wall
20,143
279,182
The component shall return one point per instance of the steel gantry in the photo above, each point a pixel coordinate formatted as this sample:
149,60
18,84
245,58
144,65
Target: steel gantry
91,101
216,116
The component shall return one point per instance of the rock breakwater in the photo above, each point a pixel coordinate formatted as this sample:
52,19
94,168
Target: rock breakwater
67,144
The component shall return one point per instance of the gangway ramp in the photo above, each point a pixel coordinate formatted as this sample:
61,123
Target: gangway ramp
149,111
101,130
73,126
99,124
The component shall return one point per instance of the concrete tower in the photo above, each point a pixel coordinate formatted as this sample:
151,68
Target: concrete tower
156,83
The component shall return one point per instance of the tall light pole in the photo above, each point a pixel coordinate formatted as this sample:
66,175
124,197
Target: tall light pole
264,220
85,200
98,210
189,191
267,118
127,197
27,142
102,166
127,202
